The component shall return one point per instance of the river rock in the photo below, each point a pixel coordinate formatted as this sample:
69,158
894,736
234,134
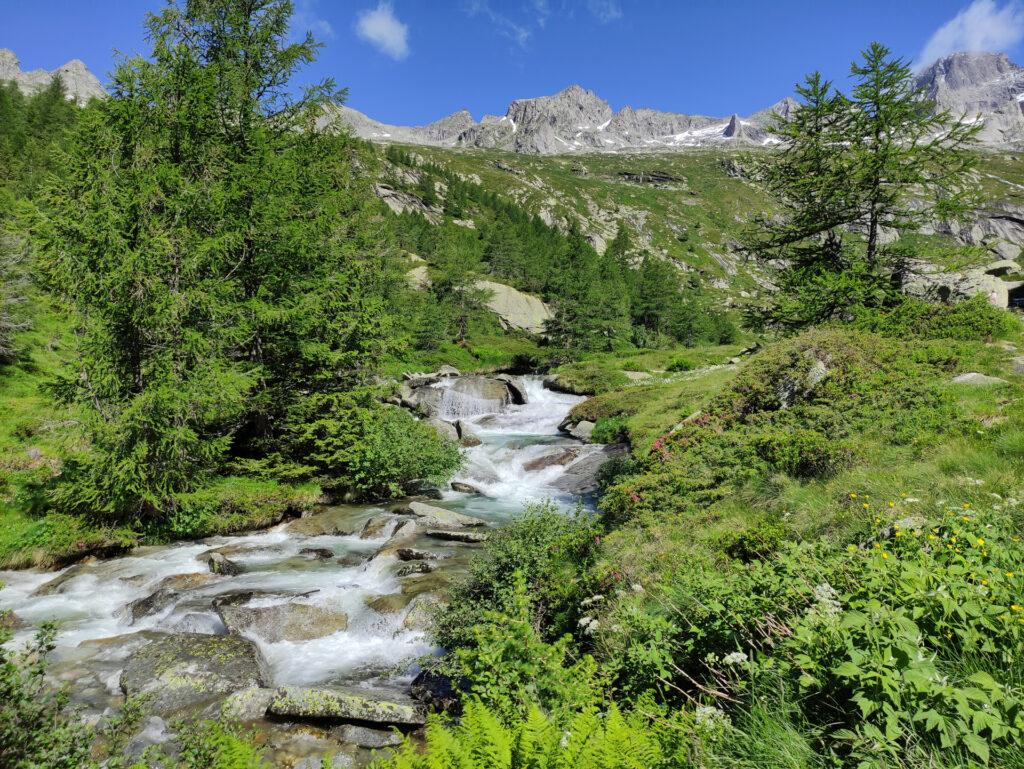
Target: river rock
375,527
221,564
177,671
516,388
464,488
317,553
365,737
416,567
392,603
978,380
246,705
421,612
562,458
446,430
284,622
467,436
438,517
471,537
340,704
167,591
153,733
580,476
436,691
56,585
10,621
412,554
336,522
582,431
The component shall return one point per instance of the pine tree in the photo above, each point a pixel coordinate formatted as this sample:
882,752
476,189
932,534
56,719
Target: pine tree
850,168
222,256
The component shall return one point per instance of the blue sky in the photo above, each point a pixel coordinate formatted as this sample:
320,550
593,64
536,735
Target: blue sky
412,61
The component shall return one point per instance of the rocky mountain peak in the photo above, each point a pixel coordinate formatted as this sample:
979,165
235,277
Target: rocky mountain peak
967,70
978,85
79,83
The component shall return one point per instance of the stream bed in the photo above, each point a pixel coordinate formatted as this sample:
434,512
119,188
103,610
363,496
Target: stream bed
339,597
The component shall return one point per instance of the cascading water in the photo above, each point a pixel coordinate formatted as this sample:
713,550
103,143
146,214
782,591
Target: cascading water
108,609
507,467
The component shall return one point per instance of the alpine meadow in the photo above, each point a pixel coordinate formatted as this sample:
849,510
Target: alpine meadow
573,438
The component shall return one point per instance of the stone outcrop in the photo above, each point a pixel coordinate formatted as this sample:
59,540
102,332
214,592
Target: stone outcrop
179,671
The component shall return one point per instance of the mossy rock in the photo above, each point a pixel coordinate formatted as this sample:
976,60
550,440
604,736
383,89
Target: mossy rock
345,705
179,671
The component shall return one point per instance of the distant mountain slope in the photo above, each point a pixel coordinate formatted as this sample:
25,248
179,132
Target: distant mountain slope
80,84
984,86
573,120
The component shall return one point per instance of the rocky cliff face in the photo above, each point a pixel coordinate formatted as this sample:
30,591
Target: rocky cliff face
79,83
985,86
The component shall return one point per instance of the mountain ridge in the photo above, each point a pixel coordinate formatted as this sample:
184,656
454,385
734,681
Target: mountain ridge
974,84
79,82
978,85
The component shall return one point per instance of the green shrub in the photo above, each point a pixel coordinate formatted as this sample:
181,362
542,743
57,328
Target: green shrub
905,646
759,541
590,378
509,666
552,549
368,450
802,453
611,430
974,320
681,363
37,727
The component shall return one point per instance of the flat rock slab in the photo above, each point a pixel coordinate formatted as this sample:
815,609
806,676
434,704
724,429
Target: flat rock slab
978,380
177,671
438,517
284,622
347,705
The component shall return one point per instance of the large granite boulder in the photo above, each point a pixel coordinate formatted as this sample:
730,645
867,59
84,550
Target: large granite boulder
514,308
179,671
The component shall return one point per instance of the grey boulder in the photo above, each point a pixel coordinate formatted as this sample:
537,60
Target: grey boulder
179,671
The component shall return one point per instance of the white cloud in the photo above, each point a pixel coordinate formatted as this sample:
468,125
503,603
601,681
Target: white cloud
981,26
382,29
605,11
305,19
